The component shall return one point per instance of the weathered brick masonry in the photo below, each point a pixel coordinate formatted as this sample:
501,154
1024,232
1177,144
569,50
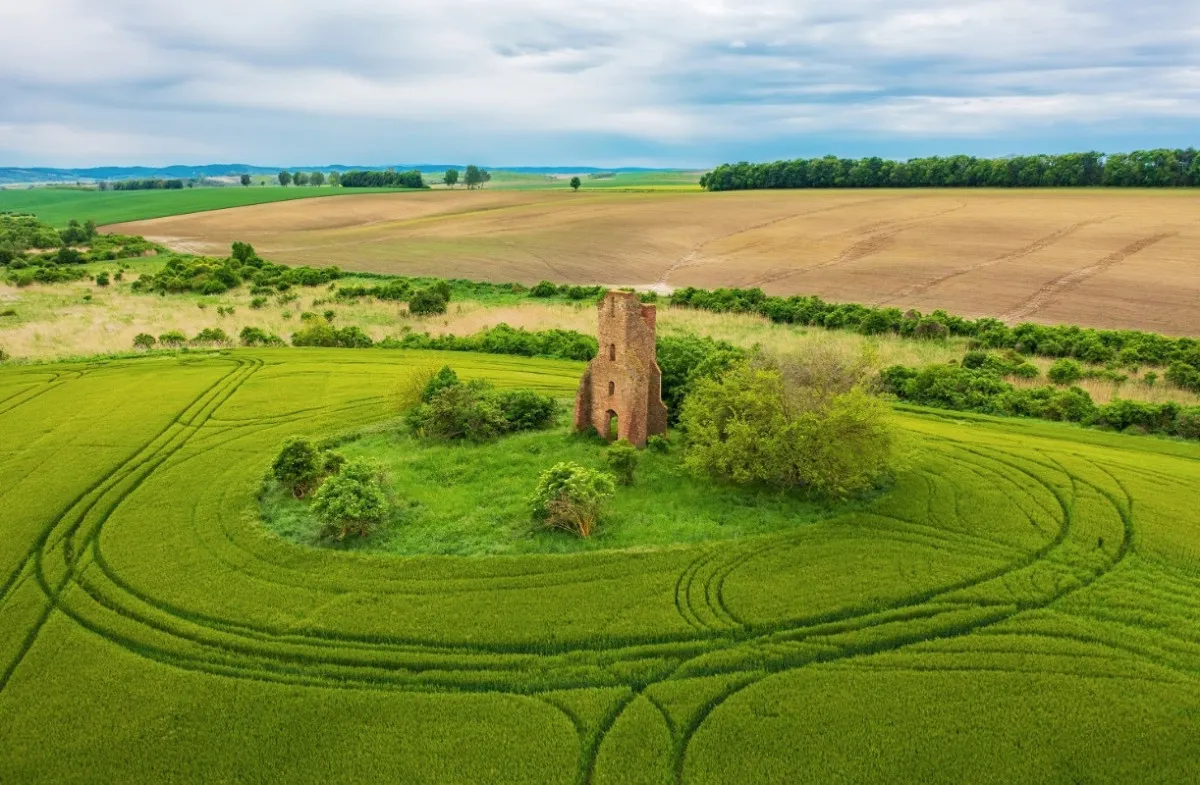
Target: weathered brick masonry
624,380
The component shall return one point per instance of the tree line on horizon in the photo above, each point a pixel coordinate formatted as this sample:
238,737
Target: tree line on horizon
1162,168
472,176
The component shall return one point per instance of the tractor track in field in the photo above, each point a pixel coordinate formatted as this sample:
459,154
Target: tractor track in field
1052,291
689,259
125,471
69,566
1126,515
878,238
37,391
1037,246
288,673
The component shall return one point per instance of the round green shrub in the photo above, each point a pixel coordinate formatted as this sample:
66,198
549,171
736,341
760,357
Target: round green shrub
1065,372
570,497
427,302
621,458
543,289
172,338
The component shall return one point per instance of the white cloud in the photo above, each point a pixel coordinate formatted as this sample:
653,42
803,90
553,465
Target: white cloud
655,72
81,146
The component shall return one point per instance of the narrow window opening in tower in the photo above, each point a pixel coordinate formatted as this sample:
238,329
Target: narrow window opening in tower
612,351
612,388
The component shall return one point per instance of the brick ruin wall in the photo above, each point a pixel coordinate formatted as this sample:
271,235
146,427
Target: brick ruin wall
624,380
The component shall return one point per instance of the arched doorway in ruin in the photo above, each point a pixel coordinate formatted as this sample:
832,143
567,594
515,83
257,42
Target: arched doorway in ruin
610,426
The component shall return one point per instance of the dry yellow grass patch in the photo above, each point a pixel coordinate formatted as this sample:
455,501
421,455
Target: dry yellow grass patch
57,322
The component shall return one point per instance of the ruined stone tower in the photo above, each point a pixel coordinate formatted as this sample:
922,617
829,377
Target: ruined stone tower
623,382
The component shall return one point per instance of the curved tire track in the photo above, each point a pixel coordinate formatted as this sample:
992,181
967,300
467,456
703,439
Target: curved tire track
1055,289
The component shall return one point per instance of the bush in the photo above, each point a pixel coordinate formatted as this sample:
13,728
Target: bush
258,303
543,289
102,279
298,465
570,497
974,359
353,501
527,410
427,302
445,377
324,334
1065,372
211,335
621,458
253,336
754,427
685,361
332,462
460,411
4,356
143,341
172,338
931,330
1183,376
658,444
1187,424
450,409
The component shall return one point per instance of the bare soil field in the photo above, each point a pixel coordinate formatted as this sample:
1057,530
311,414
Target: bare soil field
1105,258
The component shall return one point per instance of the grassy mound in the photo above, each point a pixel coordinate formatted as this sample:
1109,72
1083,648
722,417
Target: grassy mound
1024,597
474,499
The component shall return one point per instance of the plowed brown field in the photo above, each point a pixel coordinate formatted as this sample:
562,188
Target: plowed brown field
1102,258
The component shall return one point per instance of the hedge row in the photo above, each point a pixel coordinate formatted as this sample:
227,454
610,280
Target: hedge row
982,389
207,275
1126,347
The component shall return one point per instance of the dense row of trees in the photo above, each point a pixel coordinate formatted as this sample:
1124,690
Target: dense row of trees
146,185
287,178
388,179
1141,168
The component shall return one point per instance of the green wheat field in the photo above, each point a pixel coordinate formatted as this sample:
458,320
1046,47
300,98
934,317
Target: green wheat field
1020,606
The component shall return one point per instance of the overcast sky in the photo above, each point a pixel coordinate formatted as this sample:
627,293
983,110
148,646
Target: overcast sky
599,82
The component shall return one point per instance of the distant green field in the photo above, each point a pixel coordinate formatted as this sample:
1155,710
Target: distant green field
58,205
637,181
1020,607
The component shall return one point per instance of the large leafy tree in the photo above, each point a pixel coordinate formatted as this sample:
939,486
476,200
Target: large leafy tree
353,501
809,427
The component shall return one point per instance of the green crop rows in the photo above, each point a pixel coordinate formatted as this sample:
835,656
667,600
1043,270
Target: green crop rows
1024,605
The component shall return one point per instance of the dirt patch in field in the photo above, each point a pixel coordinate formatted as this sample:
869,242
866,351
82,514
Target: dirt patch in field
1098,257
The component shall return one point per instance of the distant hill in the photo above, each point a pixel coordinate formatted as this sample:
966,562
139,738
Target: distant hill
39,174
